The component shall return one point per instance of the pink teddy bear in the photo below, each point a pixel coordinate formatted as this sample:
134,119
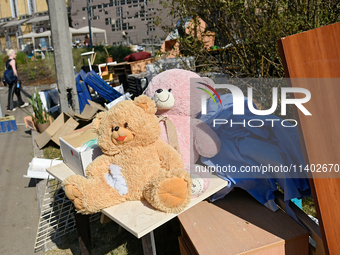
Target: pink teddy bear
174,100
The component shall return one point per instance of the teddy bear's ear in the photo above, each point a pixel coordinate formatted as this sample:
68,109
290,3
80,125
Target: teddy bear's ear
96,121
146,103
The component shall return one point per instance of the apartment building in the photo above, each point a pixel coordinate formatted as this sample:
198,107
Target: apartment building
19,17
125,21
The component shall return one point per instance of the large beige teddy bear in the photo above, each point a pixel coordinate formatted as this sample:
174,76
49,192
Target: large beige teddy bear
136,163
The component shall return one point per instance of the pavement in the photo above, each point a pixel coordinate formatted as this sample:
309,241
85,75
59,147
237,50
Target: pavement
19,213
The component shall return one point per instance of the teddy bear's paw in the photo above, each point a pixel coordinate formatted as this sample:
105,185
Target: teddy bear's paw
74,195
170,192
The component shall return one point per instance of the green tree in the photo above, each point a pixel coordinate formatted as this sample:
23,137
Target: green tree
246,32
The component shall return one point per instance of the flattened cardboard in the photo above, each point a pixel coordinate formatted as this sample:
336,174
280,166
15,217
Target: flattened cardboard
78,130
96,105
89,111
74,158
62,126
87,114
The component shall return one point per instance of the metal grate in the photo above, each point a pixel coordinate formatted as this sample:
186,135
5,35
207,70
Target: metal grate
56,216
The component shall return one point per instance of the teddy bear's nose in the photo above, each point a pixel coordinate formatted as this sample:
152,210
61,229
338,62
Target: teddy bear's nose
116,128
159,90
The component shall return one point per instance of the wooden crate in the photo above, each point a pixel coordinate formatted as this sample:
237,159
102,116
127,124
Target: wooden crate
238,224
126,68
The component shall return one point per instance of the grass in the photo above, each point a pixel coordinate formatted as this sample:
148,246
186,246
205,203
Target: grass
42,71
308,206
52,152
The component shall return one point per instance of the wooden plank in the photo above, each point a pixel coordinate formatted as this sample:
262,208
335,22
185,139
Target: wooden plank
315,54
60,171
305,220
238,224
139,217
184,250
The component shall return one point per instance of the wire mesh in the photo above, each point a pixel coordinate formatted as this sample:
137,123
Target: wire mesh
56,215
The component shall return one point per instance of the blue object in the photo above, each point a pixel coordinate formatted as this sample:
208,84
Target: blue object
83,93
9,75
297,202
82,74
8,124
257,147
100,86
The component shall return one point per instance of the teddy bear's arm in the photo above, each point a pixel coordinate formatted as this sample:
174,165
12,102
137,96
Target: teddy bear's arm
98,166
169,157
206,141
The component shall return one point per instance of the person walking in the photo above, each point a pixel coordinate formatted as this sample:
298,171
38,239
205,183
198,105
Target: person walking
14,87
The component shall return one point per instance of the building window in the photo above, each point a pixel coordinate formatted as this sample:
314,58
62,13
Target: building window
108,21
119,11
14,8
151,28
31,9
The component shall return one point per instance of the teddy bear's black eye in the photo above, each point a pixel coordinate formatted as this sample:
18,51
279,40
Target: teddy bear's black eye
126,125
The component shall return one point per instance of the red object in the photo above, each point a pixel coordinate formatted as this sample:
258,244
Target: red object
120,138
137,56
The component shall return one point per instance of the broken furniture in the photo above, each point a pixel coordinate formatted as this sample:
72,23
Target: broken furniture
238,224
123,69
89,56
315,54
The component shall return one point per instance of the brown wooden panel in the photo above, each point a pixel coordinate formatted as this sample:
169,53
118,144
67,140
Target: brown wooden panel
316,54
238,224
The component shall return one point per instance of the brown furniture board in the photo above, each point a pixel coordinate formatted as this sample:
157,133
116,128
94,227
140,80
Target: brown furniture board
238,224
126,68
316,54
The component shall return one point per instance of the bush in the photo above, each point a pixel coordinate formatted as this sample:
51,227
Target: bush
117,53
78,60
32,75
21,58
2,63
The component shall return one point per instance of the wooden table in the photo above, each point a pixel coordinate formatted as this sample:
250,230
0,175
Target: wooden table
139,217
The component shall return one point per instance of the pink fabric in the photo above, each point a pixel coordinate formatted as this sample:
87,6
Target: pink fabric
203,139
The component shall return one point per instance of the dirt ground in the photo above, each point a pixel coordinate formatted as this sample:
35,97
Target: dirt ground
36,75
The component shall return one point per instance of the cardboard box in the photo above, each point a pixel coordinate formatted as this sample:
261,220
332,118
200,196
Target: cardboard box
73,157
89,111
62,126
